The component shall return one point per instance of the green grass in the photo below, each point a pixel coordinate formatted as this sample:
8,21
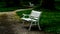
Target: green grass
8,9
21,12
49,20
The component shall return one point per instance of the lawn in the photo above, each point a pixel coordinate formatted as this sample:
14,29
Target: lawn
2,9
49,20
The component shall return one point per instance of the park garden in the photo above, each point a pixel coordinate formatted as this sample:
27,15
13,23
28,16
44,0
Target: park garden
12,11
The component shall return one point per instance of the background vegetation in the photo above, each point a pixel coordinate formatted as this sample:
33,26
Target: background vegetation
50,19
11,5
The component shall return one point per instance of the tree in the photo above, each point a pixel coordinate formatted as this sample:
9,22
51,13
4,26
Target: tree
47,4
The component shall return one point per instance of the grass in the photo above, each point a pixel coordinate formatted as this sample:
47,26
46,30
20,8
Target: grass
8,9
49,20
25,11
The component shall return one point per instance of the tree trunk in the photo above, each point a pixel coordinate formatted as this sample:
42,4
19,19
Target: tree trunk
47,4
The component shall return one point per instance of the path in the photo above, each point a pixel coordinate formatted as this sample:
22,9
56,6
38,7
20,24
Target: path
21,30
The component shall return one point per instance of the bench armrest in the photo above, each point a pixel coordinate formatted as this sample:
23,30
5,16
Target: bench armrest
26,15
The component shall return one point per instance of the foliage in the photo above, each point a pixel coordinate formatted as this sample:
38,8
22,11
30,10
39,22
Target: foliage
7,9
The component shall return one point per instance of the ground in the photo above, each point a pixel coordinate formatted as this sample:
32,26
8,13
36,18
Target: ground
19,29
22,30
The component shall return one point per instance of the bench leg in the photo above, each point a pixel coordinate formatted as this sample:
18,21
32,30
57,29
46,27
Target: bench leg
30,26
39,26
